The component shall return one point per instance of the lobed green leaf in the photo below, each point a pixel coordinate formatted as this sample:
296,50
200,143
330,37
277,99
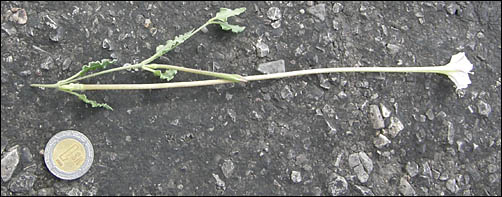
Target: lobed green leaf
171,44
235,28
167,75
96,65
84,98
224,13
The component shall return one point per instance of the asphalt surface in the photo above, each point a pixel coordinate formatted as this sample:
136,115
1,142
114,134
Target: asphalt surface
310,135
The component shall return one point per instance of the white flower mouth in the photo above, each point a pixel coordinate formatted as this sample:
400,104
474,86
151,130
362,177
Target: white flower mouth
458,70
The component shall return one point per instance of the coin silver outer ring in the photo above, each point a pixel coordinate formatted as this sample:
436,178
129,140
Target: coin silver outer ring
49,149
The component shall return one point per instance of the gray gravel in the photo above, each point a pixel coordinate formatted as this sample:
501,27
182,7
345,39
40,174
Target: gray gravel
338,186
272,67
395,127
10,160
318,10
262,50
376,117
381,141
405,187
274,13
228,168
23,182
484,108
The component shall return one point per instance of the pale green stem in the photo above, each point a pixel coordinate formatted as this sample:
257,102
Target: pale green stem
45,85
69,79
433,69
231,77
148,69
103,72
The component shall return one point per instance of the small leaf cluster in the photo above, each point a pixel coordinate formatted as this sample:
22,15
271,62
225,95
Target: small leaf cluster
222,16
167,75
221,19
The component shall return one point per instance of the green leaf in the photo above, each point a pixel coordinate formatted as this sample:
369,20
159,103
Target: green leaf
234,28
222,16
93,103
224,13
96,65
167,75
171,44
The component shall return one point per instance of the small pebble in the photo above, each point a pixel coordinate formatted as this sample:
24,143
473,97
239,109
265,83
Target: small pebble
47,64
10,161
381,141
362,175
276,24
385,111
405,188
262,49
480,35
228,168
430,114
451,185
56,35
19,16
147,23
337,8
395,127
484,108
272,67
354,160
366,161
451,133
376,117
296,176
452,8
393,49
25,73
106,44
219,182
412,168
318,11
338,187
204,29
274,13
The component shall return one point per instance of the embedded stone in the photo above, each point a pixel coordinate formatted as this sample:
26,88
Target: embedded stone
318,10
272,67
376,117
9,163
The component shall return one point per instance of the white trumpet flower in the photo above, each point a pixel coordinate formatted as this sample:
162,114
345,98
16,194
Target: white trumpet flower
458,70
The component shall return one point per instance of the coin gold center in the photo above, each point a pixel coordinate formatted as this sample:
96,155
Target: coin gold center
69,155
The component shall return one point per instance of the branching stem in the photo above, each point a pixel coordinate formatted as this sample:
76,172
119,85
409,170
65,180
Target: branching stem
457,70
430,69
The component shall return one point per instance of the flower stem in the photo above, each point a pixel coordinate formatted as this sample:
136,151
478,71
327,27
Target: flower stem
430,69
231,77
102,72
45,85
